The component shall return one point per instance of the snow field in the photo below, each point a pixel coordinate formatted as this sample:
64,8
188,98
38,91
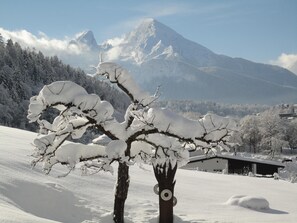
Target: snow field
28,195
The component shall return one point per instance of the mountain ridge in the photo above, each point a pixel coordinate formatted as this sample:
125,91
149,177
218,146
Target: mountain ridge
154,52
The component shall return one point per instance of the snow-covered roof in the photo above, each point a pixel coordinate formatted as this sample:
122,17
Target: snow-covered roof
242,158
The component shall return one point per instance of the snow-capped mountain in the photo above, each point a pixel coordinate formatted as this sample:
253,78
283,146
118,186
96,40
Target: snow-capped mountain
86,38
157,55
153,40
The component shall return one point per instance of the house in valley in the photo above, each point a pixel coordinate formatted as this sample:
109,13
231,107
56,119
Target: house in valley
233,164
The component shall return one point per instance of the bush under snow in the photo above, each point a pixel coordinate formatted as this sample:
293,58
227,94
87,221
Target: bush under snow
252,202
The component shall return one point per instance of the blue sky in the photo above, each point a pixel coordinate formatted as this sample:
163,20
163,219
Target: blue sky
258,30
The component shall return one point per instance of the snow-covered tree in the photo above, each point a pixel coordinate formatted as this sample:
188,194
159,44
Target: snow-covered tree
250,132
272,132
290,134
151,135
267,132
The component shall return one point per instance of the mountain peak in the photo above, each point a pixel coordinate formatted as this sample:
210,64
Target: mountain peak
85,34
87,38
150,23
150,33
152,28
153,40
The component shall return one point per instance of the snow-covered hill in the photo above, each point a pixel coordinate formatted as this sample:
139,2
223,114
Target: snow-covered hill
29,196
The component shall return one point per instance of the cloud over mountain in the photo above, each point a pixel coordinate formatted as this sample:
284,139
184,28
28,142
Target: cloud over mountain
288,61
42,42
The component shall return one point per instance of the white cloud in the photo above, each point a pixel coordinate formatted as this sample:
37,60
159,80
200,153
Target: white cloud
114,53
115,41
42,42
288,61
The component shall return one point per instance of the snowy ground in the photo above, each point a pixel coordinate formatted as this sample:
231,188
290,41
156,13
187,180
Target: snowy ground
28,196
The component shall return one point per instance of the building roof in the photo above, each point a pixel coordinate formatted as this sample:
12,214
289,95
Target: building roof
232,157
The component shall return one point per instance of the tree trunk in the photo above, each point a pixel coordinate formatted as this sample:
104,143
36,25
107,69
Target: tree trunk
121,193
166,184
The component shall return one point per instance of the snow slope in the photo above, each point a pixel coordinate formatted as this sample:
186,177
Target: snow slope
29,196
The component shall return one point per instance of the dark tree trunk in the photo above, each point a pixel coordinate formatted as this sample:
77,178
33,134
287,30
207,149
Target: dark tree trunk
166,182
121,193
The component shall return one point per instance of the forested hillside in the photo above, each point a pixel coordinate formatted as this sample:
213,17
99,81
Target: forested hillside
24,72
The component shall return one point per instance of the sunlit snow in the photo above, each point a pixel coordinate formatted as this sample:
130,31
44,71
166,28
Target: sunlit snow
29,196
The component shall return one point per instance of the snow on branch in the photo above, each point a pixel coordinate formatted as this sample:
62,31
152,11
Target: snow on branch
208,131
166,136
66,94
151,135
78,111
121,77
167,121
72,153
164,149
